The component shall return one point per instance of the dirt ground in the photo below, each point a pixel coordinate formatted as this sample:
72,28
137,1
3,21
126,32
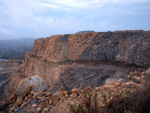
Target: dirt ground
7,67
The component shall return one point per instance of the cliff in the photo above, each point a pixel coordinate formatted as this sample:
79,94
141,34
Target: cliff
86,59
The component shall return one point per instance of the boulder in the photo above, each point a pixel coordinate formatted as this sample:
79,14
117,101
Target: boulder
34,83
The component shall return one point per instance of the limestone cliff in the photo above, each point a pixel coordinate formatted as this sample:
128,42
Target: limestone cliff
66,61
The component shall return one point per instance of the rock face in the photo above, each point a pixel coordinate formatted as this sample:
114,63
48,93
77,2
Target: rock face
2,88
131,47
3,82
81,76
66,61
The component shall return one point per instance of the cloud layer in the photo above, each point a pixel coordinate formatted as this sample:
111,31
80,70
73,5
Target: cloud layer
42,18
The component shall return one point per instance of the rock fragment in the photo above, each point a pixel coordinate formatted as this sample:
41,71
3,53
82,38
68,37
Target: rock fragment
19,101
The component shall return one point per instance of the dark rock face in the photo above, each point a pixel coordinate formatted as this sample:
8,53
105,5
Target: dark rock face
53,58
3,82
127,47
82,76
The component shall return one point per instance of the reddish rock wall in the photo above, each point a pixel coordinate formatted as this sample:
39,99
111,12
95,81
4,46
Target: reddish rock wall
52,58
131,47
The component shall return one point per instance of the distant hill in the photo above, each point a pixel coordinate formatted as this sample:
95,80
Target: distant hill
15,48
85,31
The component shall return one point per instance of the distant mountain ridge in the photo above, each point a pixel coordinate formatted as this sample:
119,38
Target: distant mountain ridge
86,31
16,48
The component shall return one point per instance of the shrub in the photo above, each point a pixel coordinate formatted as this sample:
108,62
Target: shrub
137,101
89,104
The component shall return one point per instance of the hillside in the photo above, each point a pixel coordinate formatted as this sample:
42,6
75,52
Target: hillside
62,74
79,60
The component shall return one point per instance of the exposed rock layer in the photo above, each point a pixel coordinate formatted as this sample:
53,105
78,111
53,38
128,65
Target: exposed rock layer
65,61
131,47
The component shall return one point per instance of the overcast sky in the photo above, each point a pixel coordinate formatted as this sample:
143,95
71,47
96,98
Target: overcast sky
42,18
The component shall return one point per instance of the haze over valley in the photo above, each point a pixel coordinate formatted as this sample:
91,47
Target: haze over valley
15,48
